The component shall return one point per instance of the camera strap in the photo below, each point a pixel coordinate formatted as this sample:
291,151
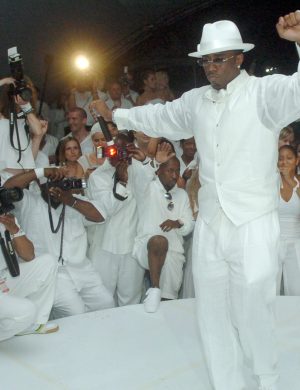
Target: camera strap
61,223
13,124
116,195
9,254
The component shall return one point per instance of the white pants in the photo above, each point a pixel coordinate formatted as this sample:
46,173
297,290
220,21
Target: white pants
188,290
122,275
16,315
79,290
235,272
289,267
37,283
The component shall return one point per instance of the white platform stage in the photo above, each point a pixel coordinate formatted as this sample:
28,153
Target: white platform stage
128,349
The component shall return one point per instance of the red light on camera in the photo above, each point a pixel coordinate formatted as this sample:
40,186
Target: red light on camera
111,151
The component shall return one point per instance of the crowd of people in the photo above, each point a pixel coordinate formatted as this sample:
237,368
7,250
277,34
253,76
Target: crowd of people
112,226
108,241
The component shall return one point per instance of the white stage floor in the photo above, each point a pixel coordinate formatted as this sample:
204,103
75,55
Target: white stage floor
128,349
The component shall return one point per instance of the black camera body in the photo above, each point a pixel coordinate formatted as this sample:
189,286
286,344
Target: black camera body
16,70
68,183
7,197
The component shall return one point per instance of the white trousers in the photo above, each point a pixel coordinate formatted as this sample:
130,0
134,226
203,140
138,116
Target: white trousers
289,267
16,315
235,272
37,283
79,290
187,289
121,275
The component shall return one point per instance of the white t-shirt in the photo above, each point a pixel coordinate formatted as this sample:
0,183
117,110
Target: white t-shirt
8,153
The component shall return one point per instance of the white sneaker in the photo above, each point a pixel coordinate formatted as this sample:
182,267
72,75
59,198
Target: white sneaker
49,327
152,300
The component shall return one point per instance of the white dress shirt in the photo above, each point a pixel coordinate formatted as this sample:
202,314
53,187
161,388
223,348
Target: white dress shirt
236,132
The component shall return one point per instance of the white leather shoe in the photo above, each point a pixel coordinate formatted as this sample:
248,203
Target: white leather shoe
152,300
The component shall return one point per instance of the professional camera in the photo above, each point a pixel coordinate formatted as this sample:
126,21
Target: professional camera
114,152
7,197
16,69
68,183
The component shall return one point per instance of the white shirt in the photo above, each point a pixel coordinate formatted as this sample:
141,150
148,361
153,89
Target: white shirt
236,133
32,212
50,146
289,216
153,208
125,103
8,153
83,100
116,235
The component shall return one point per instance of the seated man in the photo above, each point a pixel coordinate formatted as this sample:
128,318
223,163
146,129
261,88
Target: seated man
36,282
78,286
165,217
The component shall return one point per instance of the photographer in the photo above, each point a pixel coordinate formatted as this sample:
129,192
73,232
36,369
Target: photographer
16,140
60,230
36,282
111,243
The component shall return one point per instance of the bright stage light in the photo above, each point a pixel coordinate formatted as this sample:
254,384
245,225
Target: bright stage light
82,62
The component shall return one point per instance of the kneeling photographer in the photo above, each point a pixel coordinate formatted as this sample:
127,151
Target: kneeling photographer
55,221
22,276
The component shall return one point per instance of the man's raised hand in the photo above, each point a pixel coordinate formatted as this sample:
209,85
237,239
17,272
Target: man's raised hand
164,152
99,107
288,27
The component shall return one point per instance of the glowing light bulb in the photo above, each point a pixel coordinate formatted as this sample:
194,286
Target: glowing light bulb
82,62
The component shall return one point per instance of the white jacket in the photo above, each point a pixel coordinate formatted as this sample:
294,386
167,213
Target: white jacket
236,132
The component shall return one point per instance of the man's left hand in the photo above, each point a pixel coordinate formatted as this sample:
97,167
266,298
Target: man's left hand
8,221
288,27
168,225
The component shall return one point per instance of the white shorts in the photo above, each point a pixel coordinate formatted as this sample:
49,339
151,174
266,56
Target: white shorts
172,271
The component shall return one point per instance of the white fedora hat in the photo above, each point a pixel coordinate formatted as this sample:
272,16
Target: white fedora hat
220,36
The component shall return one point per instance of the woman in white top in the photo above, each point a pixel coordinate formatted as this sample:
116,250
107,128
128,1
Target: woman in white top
289,218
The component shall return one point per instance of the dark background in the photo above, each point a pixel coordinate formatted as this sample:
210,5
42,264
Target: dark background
136,33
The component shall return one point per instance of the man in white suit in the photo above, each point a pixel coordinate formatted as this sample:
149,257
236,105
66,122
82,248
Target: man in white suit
236,235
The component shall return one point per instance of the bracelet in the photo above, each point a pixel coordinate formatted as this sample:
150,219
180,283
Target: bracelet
113,115
154,164
19,233
26,108
39,172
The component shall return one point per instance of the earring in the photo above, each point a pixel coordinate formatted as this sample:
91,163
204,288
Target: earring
239,66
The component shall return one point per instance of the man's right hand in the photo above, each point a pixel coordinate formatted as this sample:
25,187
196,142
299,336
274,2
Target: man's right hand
100,107
7,81
54,173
